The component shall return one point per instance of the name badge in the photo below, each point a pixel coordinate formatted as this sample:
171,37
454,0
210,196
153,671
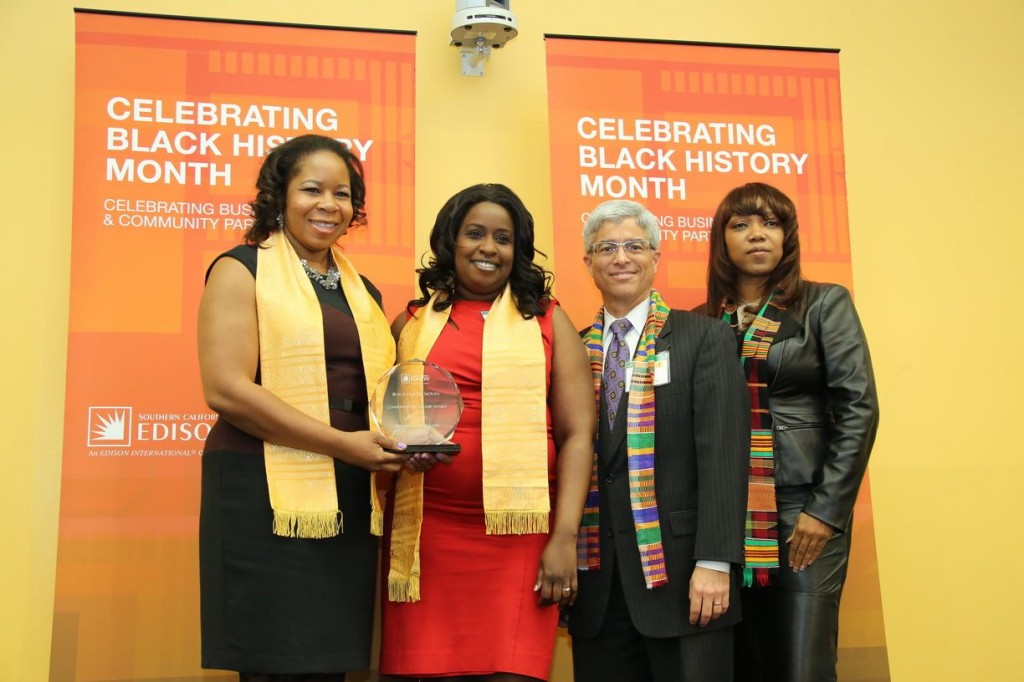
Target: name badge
661,370
662,373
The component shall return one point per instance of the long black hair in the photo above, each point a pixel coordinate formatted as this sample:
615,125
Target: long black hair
531,284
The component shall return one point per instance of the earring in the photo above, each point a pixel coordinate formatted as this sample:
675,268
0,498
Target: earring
280,221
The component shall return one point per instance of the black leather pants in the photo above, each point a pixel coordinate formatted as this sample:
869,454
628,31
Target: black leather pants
790,629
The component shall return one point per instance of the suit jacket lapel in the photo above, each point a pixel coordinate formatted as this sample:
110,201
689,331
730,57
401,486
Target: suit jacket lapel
664,341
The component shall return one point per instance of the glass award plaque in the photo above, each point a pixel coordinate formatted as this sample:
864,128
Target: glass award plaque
418,403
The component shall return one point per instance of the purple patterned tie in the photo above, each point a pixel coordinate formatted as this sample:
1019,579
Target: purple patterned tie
615,367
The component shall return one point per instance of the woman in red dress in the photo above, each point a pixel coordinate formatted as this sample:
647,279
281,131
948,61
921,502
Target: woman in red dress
473,569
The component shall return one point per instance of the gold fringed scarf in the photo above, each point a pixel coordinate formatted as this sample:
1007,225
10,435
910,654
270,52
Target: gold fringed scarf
303,493
514,442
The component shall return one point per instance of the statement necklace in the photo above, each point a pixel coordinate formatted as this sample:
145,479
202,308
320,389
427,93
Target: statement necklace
328,280
745,313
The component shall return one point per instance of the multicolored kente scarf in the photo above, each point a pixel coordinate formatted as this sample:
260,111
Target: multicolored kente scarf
303,492
761,542
639,451
513,438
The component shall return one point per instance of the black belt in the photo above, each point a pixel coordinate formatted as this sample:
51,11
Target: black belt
347,404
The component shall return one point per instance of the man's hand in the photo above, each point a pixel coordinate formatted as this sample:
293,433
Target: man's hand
709,595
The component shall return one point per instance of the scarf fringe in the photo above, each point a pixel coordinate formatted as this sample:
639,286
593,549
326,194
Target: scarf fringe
315,525
404,589
764,578
503,522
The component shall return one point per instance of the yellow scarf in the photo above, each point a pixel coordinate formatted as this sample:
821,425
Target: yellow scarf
303,493
514,442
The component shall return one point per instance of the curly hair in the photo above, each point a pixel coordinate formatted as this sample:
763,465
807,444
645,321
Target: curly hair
280,167
531,284
754,198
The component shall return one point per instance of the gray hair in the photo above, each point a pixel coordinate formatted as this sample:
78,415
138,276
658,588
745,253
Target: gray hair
615,211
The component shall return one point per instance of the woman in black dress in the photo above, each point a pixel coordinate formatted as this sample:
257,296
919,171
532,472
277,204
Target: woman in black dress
288,335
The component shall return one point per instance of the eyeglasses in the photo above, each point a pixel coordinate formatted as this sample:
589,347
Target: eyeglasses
632,247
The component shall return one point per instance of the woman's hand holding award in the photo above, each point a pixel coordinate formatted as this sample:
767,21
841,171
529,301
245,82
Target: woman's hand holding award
418,403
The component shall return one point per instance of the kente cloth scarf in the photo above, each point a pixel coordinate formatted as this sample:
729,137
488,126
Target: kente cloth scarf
514,442
639,451
761,541
303,492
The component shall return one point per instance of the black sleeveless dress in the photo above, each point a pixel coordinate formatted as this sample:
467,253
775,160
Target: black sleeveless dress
284,605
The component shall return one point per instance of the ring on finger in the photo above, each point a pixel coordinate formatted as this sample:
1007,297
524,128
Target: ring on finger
566,589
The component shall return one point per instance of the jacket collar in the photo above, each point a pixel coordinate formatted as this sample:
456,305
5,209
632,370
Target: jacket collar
788,326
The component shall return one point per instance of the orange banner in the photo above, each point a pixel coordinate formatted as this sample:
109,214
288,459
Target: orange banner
675,127
172,119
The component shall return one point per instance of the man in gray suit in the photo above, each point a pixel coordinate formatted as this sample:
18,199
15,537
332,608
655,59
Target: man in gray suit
662,538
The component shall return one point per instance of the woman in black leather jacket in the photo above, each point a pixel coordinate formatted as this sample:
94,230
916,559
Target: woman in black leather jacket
812,427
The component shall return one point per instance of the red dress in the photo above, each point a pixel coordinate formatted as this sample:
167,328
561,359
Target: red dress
477,613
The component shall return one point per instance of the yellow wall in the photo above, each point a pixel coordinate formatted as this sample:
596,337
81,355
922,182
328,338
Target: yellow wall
933,96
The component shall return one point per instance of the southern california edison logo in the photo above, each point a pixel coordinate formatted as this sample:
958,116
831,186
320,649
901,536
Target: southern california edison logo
110,427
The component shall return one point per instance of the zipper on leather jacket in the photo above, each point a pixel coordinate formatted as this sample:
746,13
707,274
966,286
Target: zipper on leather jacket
794,427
